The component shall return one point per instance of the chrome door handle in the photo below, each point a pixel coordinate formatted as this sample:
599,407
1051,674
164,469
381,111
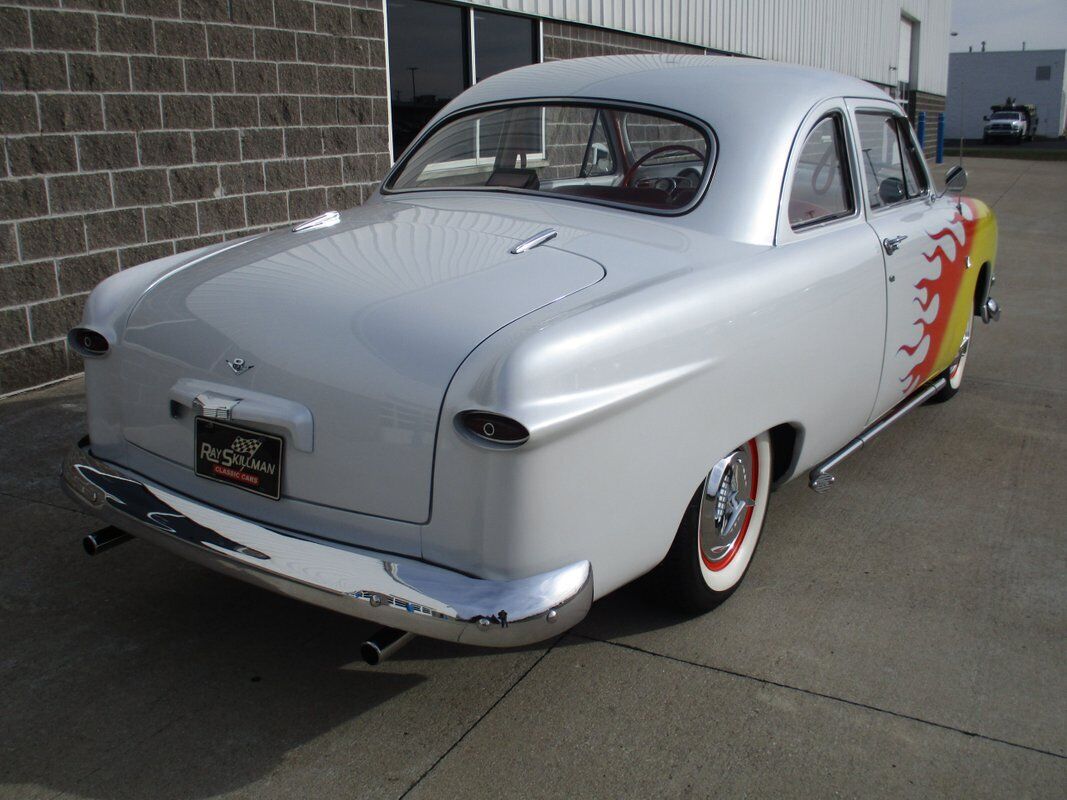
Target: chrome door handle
891,245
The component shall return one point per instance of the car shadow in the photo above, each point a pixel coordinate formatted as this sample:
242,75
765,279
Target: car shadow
188,687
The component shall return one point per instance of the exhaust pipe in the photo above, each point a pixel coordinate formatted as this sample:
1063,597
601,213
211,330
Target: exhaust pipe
383,645
103,539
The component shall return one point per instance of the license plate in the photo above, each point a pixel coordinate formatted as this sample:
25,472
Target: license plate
240,457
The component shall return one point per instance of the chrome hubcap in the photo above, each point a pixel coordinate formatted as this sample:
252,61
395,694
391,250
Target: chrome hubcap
724,506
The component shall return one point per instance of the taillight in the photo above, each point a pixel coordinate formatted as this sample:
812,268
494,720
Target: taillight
495,428
88,343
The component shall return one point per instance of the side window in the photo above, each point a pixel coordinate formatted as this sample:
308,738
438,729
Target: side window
913,166
882,164
821,189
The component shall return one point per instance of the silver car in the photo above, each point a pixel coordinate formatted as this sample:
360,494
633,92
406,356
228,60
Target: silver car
596,313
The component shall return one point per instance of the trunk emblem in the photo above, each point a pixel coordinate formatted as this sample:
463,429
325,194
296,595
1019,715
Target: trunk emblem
239,365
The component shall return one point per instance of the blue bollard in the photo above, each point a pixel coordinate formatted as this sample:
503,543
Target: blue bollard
921,131
940,138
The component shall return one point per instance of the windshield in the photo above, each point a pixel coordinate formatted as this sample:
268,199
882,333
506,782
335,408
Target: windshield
1007,115
586,152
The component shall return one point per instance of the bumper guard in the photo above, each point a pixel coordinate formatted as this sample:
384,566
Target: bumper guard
389,590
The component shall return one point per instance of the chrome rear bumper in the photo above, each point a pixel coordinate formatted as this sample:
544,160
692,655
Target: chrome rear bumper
390,590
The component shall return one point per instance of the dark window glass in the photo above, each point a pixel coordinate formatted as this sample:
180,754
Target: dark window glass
502,42
428,63
821,190
568,151
880,152
1043,74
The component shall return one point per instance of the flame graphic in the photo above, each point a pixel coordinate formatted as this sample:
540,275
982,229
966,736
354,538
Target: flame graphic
942,288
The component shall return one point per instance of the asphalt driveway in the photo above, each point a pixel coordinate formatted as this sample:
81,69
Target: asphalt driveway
904,635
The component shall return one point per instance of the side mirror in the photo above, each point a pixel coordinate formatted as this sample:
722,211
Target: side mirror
985,118
956,179
891,190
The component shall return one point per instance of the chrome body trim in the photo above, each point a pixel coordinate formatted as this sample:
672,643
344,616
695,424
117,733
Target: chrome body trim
536,240
215,406
391,590
820,478
892,244
324,220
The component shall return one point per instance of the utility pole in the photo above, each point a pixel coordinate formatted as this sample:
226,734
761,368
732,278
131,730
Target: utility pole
413,70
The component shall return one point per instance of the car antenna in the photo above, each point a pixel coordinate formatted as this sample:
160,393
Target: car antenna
959,196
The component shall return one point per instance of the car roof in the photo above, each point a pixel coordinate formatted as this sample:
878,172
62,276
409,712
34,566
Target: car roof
694,84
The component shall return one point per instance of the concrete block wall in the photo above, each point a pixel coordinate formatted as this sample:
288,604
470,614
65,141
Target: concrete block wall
132,129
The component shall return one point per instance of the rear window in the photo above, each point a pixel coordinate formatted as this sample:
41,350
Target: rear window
594,153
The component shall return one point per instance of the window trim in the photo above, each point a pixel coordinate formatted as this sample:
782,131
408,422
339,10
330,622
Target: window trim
838,118
385,188
905,134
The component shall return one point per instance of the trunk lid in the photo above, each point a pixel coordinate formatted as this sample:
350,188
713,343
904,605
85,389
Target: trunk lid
353,334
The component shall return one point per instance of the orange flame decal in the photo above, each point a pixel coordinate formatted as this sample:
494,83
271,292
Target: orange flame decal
943,287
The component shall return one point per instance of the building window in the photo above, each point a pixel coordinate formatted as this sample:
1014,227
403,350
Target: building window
503,42
428,63
1043,74
436,50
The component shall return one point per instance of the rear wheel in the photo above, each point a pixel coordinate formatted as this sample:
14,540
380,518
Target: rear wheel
720,529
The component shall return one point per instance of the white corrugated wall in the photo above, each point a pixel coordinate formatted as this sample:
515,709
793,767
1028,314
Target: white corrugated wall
857,37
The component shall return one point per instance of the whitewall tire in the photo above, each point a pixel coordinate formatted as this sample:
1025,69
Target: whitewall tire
720,529
954,374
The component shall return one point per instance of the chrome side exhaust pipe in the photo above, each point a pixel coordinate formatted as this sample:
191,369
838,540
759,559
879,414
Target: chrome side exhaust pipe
96,543
383,645
820,478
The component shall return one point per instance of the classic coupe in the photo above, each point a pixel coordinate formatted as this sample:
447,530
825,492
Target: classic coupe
594,314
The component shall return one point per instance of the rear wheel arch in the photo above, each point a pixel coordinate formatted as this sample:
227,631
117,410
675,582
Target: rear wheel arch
785,447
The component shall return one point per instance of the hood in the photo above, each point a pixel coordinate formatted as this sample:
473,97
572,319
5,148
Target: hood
350,336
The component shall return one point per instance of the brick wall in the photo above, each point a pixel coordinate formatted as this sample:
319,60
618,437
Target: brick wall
132,129
564,40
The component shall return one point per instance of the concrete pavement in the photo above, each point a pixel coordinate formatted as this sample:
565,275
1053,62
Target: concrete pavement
902,636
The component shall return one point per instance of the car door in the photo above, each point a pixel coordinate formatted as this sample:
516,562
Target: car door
910,226
833,332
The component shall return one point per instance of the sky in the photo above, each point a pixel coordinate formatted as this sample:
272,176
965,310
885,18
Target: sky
1006,24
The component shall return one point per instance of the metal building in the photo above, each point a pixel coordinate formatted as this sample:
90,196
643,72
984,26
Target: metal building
901,45
979,80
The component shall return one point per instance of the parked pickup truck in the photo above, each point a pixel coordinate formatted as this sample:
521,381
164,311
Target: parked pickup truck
1013,122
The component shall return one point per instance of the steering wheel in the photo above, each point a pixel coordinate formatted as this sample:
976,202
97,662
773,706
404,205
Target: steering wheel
627,179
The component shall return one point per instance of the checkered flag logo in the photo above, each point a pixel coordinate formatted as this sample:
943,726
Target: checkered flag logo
245,446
